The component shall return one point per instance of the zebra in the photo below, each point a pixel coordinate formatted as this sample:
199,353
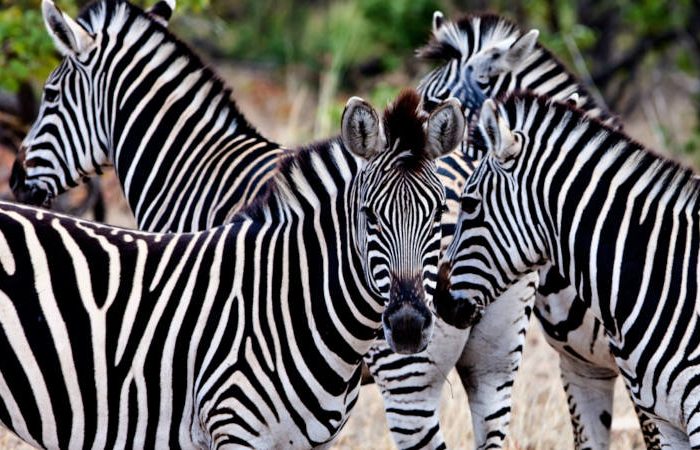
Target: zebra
222,158
51,163
250,334
616,220
489,56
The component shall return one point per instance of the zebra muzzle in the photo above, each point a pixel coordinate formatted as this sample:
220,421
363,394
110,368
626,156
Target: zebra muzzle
460,314
407,320
30,195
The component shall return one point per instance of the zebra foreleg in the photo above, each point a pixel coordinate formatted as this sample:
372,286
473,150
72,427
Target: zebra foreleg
589,393
652,438
411,386
490,361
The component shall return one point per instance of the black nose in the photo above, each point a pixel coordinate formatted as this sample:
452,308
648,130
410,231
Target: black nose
458,313
406,328
407,320
30,195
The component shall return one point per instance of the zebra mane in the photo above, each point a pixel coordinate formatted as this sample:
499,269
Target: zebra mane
406,140
516,106
100,14
403,125
454,39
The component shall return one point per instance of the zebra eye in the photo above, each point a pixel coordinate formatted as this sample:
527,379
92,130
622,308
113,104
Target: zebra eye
371,217
429,105
50,95
438,214
470,205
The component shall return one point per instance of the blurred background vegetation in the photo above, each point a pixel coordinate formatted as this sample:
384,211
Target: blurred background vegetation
638,55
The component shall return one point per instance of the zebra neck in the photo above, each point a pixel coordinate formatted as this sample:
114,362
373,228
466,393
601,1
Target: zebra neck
608,206
175,133
542,73
313,198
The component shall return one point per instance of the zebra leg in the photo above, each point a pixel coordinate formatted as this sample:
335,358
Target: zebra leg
652,438
491,359
411,386
589,393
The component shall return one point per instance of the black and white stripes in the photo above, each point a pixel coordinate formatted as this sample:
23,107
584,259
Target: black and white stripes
250,334
617,221
189,158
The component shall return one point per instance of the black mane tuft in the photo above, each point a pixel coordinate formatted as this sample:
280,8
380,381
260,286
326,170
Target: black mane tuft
442,48
403,124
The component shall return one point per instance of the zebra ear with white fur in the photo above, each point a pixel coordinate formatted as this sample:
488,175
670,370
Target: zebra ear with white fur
360,128
68,35
445,128
500,139
521,49
438,21
162,11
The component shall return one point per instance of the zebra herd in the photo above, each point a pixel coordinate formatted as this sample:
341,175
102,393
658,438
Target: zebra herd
241,314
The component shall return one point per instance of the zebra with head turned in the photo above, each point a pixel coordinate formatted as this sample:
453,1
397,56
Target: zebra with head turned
248,335
120,47
489,56
617,221
114,82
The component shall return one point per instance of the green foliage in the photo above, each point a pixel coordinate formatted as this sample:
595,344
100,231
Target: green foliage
400,26
27,53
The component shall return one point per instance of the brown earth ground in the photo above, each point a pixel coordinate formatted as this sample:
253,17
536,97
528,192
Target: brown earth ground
284,109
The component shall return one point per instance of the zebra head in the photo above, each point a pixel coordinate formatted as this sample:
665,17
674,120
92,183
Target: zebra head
399,208
475,52
69,141
494,243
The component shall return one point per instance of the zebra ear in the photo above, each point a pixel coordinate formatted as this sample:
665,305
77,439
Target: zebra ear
360,128
445,128
499,138
162,11
521,49
438,21
68,35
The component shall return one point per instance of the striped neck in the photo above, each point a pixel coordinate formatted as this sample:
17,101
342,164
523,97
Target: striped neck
314,197
597,198
170,121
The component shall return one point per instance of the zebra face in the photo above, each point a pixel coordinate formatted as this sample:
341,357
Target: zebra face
400,205
59,150
474,52
69,141
501,57
493,247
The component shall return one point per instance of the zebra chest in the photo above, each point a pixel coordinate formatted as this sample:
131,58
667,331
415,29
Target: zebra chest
273,409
